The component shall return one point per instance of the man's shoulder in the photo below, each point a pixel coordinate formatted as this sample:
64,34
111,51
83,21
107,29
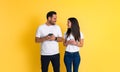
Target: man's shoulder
57,26
41,26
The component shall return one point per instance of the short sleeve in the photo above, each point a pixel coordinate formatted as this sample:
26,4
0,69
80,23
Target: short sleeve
59,32
64,35
38,32
81,34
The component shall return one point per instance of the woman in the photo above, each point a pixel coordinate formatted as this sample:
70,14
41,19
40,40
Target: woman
73,40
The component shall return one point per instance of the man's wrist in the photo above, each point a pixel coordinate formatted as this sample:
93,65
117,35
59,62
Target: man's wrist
46,38
55,38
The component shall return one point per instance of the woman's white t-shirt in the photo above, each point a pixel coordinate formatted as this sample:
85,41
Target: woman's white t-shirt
72,48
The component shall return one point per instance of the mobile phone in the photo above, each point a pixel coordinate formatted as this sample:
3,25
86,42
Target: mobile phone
50,34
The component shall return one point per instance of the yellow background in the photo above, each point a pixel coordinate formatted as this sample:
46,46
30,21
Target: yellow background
99,21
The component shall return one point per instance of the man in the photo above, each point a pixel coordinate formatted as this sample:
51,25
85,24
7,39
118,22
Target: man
49,34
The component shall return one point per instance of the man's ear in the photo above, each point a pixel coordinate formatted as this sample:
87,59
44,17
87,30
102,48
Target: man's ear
48,18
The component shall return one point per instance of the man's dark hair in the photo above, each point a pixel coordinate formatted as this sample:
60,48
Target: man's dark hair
51,13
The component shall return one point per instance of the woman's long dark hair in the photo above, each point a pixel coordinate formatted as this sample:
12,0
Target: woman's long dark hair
75,29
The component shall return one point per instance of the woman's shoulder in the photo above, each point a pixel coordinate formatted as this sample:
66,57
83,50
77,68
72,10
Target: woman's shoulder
81,32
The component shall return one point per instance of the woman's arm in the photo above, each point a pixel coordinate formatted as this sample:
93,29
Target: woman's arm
80,44
73,42
65,42
76,43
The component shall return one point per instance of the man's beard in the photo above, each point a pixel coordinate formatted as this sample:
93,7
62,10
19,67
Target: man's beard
52,23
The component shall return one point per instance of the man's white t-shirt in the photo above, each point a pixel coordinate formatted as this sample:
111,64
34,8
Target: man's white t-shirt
72,48
49,47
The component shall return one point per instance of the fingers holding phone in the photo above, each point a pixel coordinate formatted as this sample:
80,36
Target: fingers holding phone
72,42
51,37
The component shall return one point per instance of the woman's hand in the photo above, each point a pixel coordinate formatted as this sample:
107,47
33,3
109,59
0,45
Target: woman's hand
73,42
65,43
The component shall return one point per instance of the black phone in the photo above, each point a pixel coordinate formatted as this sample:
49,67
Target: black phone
50,34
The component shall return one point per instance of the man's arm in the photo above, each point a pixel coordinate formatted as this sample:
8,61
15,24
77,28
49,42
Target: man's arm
50,38
41,39
53,38
59,39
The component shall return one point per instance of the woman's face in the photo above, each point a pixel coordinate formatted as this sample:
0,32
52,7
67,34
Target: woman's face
69,24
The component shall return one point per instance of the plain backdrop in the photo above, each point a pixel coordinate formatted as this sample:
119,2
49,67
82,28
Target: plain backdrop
99,21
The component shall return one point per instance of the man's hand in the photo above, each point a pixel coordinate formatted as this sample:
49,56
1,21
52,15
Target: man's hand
51,38
47,37
42,39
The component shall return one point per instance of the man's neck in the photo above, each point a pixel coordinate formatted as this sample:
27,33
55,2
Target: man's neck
47,23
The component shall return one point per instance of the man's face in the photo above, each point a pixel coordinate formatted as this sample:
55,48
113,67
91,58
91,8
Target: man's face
52,20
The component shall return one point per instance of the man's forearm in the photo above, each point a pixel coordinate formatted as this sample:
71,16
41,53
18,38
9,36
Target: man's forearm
40,39
59,39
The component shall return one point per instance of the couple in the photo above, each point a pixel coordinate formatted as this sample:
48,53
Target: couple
49,34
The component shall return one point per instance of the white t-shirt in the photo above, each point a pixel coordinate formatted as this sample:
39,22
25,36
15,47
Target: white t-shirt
72,48
49,47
